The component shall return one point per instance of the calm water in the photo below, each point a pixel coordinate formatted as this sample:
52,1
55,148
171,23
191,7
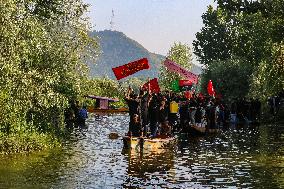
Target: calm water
249,158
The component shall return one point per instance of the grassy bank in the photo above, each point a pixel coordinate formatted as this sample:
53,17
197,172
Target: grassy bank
27,142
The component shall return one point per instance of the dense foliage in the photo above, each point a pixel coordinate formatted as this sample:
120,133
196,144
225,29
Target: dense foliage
181,54
42,49
248,35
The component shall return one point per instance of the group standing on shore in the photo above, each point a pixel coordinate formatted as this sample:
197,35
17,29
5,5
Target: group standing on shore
162,114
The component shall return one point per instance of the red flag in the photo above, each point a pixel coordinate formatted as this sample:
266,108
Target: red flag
185,83
210,88
174,67
152,86
187,94
130,68
200,95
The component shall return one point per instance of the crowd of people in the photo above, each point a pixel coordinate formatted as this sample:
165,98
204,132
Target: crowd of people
162,114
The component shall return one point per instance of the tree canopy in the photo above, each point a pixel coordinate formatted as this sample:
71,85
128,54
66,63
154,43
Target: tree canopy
247,32
180,54
43,45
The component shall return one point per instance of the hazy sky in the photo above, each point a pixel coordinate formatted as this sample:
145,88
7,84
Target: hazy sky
156,24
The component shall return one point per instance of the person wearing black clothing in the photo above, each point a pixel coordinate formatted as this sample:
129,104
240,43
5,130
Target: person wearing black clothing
153,114
135,127
198,115
184,113
163,119
192,110
132,102
212,116
163,112
144,103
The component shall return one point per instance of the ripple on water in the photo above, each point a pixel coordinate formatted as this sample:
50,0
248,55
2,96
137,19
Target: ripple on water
89,159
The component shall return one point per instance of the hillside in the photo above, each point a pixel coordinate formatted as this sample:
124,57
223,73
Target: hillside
118,49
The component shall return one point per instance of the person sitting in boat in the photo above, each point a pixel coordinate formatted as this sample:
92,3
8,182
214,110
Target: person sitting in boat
83,115
135,127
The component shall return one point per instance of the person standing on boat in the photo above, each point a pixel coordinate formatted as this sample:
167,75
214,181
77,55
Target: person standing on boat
173,117
153,114
213,115
192,109
198,115
133,103
144,104
184,112
163,119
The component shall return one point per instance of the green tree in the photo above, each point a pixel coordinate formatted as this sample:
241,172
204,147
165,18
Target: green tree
214,41
43,45
246,30
230,78
182,55
268,79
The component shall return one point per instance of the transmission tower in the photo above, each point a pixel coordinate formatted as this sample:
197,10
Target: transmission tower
112,20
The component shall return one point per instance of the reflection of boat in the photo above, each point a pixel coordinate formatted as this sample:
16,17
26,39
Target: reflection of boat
150,144
141,162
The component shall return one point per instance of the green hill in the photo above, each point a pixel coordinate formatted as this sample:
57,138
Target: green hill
118,49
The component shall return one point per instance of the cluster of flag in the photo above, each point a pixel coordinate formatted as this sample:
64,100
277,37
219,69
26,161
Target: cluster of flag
153,85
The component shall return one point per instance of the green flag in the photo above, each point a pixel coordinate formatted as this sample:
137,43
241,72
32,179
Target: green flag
175,86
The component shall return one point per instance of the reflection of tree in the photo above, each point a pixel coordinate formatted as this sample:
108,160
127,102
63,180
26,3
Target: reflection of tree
141,162
27,171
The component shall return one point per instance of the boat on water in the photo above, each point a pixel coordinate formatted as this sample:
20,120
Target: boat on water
150,144
107,111
102,105
200,131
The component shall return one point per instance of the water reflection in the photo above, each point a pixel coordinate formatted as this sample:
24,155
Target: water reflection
141,163
237,158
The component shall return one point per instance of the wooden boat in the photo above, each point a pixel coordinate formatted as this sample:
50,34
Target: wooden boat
107,111
200,131
101,105
148,144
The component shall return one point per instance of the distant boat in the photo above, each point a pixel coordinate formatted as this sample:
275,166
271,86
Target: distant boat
101,105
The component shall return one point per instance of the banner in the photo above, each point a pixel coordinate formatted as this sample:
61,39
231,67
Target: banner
152,86
174,67
183,83
210,88
130,68
175,86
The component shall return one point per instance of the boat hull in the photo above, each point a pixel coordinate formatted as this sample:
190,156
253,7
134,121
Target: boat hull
200,131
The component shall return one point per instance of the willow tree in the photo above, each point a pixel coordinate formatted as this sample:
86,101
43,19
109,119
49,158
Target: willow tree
43,44
180,54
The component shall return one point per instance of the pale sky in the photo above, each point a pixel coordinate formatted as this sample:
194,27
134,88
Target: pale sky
155,24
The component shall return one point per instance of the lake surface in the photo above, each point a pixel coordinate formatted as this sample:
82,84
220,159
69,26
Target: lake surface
246,158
